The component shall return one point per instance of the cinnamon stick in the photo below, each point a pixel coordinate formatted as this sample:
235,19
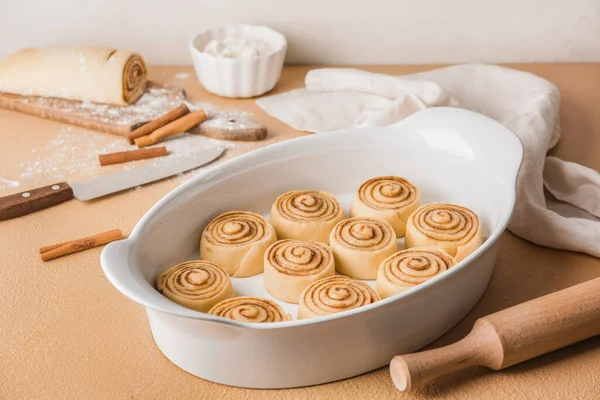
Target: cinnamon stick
176,127
73,246
161,121
53,246
132,155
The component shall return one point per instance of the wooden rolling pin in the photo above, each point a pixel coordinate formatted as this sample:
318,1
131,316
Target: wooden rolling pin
510,336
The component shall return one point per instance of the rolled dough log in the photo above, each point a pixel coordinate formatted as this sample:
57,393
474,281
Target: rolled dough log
96,74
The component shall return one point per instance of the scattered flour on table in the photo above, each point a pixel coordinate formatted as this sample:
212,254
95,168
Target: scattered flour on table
7,183
182,76
73,156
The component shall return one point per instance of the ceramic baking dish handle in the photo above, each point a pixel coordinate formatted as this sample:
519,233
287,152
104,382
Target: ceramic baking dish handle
117,262
459,131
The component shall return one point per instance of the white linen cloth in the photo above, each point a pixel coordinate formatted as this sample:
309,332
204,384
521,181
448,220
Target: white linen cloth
338,98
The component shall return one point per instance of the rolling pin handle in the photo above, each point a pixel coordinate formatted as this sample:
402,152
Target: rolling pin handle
510,336
480,347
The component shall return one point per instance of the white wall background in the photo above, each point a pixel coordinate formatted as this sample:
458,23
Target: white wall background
321,31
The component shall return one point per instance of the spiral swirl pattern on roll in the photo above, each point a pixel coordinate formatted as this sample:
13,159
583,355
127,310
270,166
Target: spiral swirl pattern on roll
446,222
236,228
307,205
134,78
292,265
386,198
250,309
410,267
452,228
359,245
237,241
306,215
416,265
387,192
299,258
82,73
335,294
363,233
195,284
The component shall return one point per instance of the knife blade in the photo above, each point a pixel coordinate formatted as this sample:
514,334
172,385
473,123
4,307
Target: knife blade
16,205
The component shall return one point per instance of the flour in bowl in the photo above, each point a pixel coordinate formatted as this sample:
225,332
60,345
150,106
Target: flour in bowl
238,48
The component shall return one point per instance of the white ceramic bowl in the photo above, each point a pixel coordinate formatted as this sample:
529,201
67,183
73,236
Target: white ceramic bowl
452,155
239,77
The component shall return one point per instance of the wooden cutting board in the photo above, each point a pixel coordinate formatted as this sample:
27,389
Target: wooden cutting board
118,120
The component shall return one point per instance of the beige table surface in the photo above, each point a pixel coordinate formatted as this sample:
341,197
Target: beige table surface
67,333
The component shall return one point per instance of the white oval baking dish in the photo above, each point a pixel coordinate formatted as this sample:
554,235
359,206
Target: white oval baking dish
452,155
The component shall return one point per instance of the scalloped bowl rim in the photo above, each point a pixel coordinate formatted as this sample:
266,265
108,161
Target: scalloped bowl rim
277,47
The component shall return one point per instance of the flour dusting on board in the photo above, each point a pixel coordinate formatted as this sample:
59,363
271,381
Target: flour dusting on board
156,101
231,120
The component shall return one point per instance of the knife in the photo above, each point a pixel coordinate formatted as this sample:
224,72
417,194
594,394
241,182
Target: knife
16,205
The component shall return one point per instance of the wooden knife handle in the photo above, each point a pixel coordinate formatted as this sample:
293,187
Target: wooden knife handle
16,205
510,336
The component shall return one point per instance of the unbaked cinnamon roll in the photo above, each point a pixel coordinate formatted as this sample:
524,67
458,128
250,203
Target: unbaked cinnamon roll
359,245
292,265
250,309
388,198
452,228
237,242
334,294
195,284
306,215
410,267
